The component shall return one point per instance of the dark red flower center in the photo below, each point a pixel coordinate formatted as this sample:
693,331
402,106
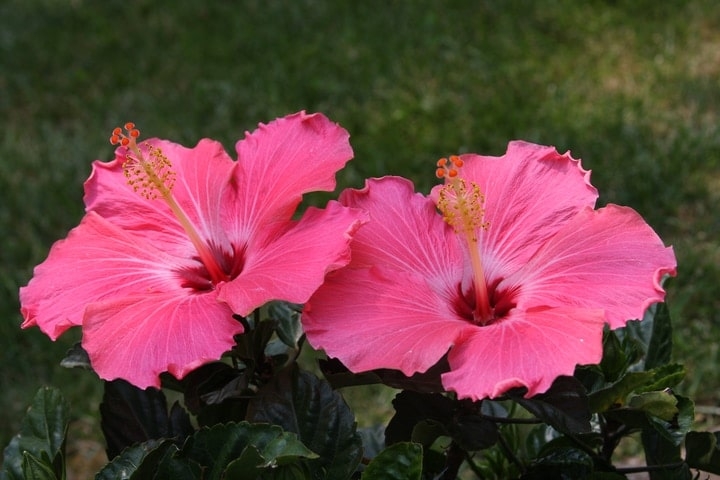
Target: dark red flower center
198,278
501,302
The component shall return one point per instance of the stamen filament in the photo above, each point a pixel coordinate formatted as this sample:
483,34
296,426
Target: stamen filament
206,257
158,180
482,301
462,207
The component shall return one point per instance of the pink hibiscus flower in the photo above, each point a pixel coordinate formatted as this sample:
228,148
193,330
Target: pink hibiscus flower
514,279
176,240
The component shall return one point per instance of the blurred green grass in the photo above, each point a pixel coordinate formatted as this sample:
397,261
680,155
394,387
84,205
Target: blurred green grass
630,86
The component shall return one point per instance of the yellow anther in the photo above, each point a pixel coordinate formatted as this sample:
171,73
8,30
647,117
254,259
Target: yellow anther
148,171
151,174
462,206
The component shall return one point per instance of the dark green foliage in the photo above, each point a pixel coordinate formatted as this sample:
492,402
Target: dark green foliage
136,462
402,461
234,450
38,451
564,406
258,420
300,403
131,415
703,451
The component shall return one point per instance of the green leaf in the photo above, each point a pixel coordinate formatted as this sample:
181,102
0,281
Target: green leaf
662,452
703,451
278,353
423,417
564,406
425,432
294,471
655,333
250,346
561,463
36,469
137,462
131,415
248,465
402,461
216,393
42,436
614,362
254,446
435,458
659,351
473,432
288,327
301,403
591,376
658,404
177,468
675,429
555,440
45,423
538,437
616,393
666,376
411,408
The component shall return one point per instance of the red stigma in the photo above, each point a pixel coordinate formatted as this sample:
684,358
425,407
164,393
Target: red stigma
124,139
448,168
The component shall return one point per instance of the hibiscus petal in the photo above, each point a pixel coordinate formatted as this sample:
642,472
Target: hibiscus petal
530,193
398,313
526,349
96,261
375,318
202,174
281,161
405,232
138,337
607,258
291,266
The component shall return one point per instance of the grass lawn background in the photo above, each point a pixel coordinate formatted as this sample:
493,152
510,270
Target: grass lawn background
631,87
